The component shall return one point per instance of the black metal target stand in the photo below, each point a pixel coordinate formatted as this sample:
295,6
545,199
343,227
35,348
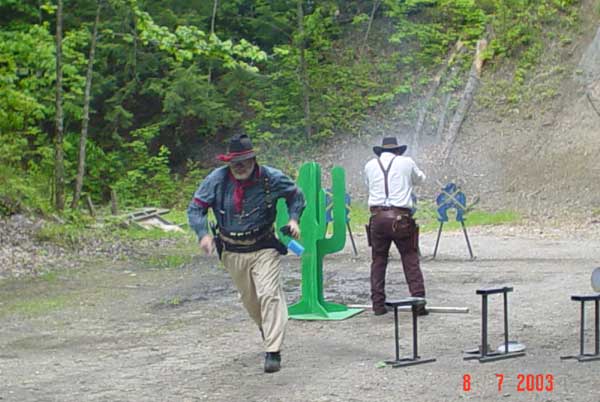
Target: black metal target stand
437,241
582,356
485,355
415,359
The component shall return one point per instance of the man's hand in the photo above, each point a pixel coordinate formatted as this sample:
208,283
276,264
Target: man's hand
294,228
207,244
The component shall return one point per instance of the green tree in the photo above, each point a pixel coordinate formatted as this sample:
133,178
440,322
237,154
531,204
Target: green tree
59,167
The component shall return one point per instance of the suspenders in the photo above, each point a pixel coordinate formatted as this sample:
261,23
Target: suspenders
268,200
385,175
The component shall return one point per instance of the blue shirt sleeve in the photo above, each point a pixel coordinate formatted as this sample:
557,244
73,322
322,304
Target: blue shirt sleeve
284,187
204,198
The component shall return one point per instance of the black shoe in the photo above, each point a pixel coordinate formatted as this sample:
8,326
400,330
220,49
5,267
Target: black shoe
272,362
380,310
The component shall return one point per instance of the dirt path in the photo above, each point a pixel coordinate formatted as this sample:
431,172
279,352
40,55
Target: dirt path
130,331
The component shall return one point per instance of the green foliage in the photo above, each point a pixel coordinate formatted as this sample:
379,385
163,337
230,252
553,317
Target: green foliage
187,185
20,193
26,76
187,96
68,236
188,43
169,262
147,181
432,27
343,87
520,29
36,306
68,233
164,87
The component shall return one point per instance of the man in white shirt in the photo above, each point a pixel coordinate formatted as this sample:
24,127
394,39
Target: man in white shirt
391,177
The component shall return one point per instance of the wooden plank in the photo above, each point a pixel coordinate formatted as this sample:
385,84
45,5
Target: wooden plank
432,309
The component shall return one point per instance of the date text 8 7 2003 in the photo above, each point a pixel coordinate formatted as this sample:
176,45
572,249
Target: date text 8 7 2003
525,382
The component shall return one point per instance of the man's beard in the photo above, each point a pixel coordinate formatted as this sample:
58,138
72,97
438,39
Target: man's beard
243,173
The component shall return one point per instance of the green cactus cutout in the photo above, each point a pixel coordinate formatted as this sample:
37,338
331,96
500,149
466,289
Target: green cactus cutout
313,225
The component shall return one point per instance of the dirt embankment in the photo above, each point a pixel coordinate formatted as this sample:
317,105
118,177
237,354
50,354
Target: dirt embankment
28,248
538,157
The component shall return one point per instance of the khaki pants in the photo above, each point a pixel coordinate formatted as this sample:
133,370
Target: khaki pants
257,276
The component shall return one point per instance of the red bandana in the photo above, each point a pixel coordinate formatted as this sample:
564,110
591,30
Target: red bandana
240,187
228,157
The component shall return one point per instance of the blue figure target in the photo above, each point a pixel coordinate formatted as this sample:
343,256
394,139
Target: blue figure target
329,216
452,197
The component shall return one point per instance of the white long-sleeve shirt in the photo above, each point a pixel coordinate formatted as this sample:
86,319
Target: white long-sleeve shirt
403,175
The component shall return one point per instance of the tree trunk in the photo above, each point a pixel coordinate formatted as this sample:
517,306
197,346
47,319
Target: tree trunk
86,113
90,205
212,31
59,164
135,48
437,80
376,5
466,100
114,203
303,72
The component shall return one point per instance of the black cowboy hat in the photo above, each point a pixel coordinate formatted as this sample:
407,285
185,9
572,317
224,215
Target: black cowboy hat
240,149
389,144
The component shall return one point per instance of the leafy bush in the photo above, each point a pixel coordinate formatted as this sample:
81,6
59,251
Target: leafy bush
20,193
148,182
160,92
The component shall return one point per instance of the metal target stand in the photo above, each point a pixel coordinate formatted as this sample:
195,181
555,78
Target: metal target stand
464,228
582,356
485,355
413,302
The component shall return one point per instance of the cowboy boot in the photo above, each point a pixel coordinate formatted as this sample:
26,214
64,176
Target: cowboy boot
272,362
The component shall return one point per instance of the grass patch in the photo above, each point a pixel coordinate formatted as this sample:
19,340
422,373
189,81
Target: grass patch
65,235
359,216
138,233
168,261
49,277
174,301
178,217
36,306
426,216
72,235
474,218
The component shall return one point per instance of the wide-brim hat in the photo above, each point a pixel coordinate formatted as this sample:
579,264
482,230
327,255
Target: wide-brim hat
389,144
240,149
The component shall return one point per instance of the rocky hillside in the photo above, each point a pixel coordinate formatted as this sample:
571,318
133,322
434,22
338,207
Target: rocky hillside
542,158
537,156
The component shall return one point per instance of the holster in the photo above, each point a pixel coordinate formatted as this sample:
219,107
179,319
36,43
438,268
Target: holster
403,226
217,239
219,246
414,239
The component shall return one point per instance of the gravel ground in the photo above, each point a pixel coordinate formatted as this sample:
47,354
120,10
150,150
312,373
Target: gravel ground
133,331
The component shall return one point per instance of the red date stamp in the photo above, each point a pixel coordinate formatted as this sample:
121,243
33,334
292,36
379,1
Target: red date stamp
525,382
